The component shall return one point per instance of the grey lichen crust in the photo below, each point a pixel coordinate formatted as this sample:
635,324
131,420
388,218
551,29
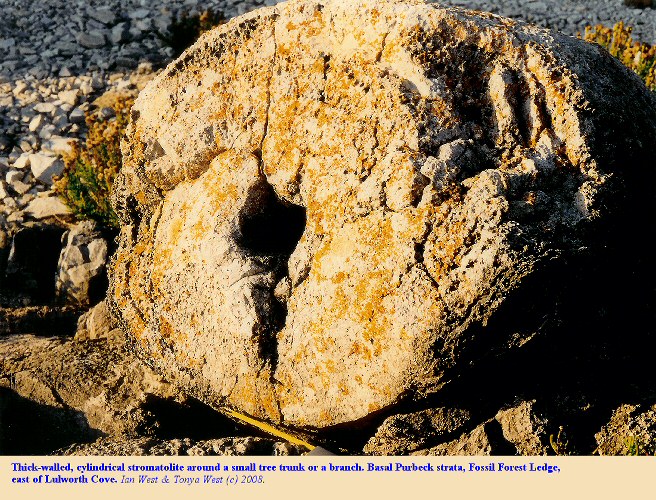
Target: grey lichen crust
329,207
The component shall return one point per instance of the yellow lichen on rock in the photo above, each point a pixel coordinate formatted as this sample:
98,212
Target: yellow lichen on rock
325,203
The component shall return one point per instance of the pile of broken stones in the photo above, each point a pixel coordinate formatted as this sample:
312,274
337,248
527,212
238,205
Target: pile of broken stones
467,276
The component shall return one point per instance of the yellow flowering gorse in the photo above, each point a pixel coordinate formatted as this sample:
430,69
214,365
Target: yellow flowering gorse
637,56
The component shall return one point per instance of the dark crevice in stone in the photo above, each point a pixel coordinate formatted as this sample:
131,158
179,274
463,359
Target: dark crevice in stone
32,263
132,211
275,229
520,97
170,419
269,231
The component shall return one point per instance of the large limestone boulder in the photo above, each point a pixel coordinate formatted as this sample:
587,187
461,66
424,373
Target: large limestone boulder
330,208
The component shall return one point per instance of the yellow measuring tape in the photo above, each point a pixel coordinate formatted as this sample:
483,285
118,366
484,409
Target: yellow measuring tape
268,428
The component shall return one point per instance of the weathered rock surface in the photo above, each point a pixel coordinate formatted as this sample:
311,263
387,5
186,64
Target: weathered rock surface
525,429
516,430
82,265
330,207
153,446
59,389
631,429
48,207
401,434
478,442
45,167
97,323
46,320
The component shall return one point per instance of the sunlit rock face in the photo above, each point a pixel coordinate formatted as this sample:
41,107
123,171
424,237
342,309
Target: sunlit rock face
332,207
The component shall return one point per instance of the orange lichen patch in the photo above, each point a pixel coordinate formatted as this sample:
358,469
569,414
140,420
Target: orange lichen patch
193,322
200,229
444,248
373,407
330,366
373,257
324,344
139,276
253,394
303,354
166,329
360,350
339,277
140,197
323,376
375,15
319,211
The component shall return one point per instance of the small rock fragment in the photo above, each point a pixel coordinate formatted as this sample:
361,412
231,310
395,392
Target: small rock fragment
44,167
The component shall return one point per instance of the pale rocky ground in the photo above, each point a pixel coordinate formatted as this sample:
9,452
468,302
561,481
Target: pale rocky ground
57,58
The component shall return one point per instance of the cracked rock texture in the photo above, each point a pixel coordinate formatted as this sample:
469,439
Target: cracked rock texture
81,264
333,208
139,446
630,426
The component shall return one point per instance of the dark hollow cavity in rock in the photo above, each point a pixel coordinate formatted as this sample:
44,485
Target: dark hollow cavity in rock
32,262
269,230
275,229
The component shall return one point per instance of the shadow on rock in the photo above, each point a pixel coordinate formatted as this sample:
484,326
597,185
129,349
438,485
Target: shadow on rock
30,428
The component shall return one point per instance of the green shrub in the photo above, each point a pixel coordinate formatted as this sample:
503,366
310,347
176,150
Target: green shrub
637,447
639,57
86,182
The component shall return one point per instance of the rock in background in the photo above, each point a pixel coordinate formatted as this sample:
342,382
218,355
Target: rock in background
81,277
97,323
473,222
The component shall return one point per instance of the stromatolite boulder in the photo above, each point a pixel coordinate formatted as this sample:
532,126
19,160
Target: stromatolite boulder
332,207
